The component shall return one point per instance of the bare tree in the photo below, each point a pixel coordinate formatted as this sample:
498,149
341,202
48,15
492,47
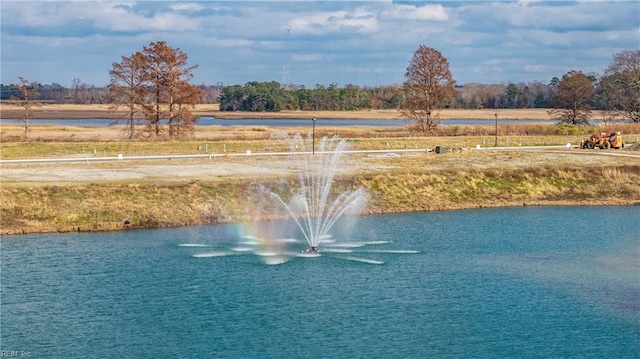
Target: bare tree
74,87
428,84
154,86
181,120
605,100
171,93
571,101
609,116
621,84
28,94
538,94
127,88
492,95
469,96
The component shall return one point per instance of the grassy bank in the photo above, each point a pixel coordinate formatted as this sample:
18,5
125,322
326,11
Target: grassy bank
415,191
62,141
145,204
127,194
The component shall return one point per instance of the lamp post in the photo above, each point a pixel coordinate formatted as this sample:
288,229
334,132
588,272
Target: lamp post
313,136
496,143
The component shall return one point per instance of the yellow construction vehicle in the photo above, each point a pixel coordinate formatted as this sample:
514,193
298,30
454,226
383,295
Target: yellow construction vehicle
603,140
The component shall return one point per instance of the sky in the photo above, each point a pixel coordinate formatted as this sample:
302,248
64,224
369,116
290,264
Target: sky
364,43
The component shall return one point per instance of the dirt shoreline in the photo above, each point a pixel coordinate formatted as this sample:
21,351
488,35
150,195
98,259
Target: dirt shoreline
95,111
83,196
86,197
125,225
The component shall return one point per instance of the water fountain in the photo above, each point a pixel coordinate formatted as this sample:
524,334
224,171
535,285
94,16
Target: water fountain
313,203
308,203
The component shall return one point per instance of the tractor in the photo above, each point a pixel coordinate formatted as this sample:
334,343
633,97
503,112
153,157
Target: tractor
603,141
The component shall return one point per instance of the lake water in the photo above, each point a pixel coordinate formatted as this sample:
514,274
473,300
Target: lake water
527,282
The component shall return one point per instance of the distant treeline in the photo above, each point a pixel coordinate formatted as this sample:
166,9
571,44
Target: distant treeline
273,97
82,93
270,96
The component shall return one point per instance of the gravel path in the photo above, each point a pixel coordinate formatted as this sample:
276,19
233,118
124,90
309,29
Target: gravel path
243,167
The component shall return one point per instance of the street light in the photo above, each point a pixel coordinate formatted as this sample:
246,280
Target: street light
496,143
313,136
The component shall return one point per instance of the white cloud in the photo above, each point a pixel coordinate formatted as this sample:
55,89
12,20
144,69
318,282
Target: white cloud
527,2
357,21
189,7
308,57
415,13
484,41
534,68
33,16
79,17
108,16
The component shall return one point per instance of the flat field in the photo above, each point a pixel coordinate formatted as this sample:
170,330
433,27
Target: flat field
74,111
403,176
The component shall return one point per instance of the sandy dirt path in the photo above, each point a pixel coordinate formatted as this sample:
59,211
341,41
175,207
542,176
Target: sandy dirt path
71,111
221,168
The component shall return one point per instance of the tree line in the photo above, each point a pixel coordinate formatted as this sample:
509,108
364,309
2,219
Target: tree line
153,86
429,86
272,97
251,96
83,93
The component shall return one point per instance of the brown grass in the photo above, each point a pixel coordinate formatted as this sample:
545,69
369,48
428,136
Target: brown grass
424,182
71,111
61,141
91,207
75,111
422,191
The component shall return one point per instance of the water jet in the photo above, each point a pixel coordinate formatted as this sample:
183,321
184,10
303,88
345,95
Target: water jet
313,202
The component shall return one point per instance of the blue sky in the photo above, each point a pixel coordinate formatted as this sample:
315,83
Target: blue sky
366,43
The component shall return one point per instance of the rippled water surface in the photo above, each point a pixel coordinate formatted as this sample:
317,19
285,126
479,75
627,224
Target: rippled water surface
520,282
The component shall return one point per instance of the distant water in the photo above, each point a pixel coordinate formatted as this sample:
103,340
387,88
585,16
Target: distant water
492,283
286,122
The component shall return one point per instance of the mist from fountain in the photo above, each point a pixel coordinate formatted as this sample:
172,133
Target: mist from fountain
313,203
